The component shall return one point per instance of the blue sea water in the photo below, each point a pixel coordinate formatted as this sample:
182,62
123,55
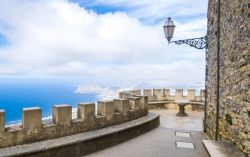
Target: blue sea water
18,94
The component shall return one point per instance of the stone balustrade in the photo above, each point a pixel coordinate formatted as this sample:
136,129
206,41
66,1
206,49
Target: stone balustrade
89,118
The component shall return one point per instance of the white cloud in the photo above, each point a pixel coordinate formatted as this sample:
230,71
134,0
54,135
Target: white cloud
61,38
103,93
149,10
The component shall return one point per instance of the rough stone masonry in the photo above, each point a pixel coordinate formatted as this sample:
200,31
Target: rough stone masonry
109,113
234,115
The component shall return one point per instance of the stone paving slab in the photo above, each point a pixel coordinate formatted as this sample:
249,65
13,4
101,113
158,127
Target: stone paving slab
194,120
161,141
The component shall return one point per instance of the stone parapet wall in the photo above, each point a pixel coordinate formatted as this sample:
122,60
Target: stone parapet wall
155,95
161,98
81,144
234,99
89,118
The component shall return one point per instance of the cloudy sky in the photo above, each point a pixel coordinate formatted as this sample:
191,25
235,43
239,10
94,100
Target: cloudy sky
102,40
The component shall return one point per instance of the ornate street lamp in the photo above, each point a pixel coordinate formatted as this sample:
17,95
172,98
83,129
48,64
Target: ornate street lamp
169,29
198,43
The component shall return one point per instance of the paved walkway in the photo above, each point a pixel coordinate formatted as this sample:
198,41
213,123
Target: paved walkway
162,141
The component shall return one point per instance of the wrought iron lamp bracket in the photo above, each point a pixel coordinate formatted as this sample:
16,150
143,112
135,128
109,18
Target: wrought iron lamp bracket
199,43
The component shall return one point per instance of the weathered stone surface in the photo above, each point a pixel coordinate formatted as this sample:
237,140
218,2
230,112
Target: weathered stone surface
2,120
86,111
143,101
155,95
191,94
84,143
32,118
147,92
63,125
163,99
158,93
62,114
234,71
178,94
106,108
166,92
121,105
134,103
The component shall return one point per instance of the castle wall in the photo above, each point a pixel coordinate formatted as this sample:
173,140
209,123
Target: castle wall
108,113
155,95
161,98
234,115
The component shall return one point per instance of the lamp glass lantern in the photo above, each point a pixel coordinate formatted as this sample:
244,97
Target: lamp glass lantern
169,29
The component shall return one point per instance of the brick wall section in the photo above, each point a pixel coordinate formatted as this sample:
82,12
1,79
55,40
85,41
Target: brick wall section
235,72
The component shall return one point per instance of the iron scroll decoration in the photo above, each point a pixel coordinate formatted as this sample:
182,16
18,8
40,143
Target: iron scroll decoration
199,43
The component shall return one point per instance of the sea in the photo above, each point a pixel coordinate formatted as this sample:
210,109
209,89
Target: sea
22,93
16,94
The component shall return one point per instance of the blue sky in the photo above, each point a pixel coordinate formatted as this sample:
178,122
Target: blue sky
100,40
3,40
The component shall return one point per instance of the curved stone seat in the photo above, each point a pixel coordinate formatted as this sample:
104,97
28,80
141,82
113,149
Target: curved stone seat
164,104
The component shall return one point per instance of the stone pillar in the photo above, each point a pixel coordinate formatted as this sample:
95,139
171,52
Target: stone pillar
121,105
166,92
143,101
86,111
106,108
2,120
191,94
147,92
158,93
134,103
178,94
62,114
32,118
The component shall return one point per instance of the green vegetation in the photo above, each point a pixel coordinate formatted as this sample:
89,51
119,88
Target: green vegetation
229,119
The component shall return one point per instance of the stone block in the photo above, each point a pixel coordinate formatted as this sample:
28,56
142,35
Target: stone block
62,114
2,120
191,94
147,92
178,94
158,93
86,111
121,105
202,95
166,92
143,101
134,103
32,118
106,108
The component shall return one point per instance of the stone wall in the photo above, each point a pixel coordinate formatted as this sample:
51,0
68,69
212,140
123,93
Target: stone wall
108,113
162,98
164,95
234,115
